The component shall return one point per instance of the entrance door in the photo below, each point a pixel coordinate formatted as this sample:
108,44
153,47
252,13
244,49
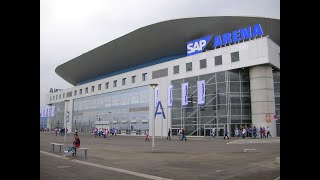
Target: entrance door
208,129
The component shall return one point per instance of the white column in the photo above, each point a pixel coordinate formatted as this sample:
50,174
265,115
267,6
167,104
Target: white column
262,97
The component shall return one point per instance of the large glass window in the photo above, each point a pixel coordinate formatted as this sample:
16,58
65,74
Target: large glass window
227,102
126,110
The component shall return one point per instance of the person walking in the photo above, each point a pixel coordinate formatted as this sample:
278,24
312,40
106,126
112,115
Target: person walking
264,132
260,131
147,136
115,132
254,131
226,134
213,133
169,135
237,133
183,135
268,132
76,131
243,133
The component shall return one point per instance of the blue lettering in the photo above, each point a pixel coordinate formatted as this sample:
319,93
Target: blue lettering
217,41
245,33
235,36
257,30
226,38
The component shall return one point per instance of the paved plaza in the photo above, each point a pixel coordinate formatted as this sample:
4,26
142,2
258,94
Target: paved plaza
130,157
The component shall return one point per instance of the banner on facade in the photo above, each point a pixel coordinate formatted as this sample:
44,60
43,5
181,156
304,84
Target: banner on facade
156,96
43,112
53,109
201,92
184,93
170,98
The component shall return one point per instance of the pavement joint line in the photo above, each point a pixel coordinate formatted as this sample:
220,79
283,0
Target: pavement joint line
147,176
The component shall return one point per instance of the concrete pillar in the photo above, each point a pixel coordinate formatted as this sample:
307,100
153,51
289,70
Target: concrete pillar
262,97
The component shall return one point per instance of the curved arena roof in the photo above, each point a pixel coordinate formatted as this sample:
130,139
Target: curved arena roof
156,41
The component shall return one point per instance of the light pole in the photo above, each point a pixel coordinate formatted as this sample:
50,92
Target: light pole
65,119
153,116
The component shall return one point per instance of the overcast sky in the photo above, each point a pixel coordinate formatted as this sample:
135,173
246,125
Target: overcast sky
69,28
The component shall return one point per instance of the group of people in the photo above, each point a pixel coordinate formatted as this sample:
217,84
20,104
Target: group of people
105,133
252,132
60,131
44,129
245,132
181,134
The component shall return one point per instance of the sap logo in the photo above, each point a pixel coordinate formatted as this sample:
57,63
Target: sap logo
197,46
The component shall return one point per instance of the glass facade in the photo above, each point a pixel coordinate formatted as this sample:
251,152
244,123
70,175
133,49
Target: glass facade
58,120
228,103
126,110
276,84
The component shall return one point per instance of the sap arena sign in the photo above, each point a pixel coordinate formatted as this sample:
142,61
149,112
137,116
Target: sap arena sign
198,45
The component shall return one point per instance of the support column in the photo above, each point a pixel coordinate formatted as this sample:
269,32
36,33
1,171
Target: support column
262,97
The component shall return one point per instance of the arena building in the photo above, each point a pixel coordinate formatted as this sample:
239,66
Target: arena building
221,72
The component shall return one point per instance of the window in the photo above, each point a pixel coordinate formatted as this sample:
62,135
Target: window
189,66
53,97
75,93
80,91
218,60
203,63
235,56
160,73
133,79
176,69
99,87
144,76
86,90
69,94
63,95
123,81
107,85
115,83
50,98
92,88
59,96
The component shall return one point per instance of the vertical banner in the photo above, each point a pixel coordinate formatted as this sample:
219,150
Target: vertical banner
53,108
156,96
170,98
42,112
48,111
45,112
201,92
184,97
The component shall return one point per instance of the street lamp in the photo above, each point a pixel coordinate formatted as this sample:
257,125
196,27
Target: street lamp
65,119
153,117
